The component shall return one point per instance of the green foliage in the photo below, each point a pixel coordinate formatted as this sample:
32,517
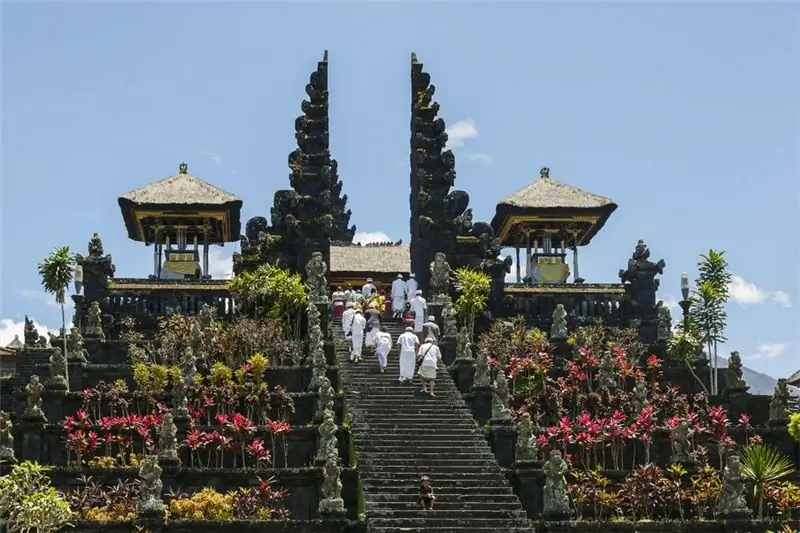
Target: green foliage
794,426
764,465
29,503
473,289
57,271
274,292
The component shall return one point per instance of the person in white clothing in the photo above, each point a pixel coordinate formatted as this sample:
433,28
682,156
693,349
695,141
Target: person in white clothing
429,357
419,306
398,297
368,288
411,286
347,321
408,343
339,299
384,339
357,335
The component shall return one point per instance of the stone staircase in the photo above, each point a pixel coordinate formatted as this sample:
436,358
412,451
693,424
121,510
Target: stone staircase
400,434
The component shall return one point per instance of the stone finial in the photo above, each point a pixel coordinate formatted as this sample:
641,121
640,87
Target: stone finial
95,247
183,168
544,173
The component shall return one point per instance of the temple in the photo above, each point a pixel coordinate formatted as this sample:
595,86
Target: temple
183,403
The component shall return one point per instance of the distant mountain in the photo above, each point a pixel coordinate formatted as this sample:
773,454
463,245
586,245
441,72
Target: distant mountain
759,383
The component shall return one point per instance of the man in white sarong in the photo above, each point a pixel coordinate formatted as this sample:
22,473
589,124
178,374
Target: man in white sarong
398,297
347,321
419,306
411,286
384,339
368,288
408,343
357,334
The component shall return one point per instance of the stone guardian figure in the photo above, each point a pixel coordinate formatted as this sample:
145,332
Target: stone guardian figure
527,448
94,322
167,440
500,409
779,404
481,378
556,501
325,398
316,268
731,499
6,438
440,278
463,344
151,487
33,391
449,323
558,331
682,451
58,370
328,443
332,502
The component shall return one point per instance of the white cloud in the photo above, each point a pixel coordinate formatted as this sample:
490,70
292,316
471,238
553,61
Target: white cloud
743,292
220,263
40,295
483,159
9,328
769,350
670,302
367,237
461,131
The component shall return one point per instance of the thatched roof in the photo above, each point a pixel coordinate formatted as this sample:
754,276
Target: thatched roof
182,188
371,259
794,379
547,193
16,344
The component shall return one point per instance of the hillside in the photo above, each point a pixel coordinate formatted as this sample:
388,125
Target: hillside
759,383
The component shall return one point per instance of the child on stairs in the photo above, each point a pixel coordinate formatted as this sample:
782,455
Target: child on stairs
426,496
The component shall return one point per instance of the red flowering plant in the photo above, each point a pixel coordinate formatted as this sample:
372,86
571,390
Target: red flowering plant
280,428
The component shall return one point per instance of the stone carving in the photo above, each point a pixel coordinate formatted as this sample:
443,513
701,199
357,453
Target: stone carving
463,344
319,364
440,277
664,322
151,486
6,438
95,247
42,342
682,451
449,323
527,448
481,378
500,409
75,348
94,322
34,390
607,375
180,404
58,370
779,404
325,399
328,443
167,439
316,268
31,335
558,331
639,396
188,366
332,501
639,262
731,499
556,501
734,372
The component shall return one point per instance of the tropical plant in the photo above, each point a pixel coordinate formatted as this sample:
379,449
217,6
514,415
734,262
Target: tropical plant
473,289
57,271
707,306
29,503
794,426
684,344
764,465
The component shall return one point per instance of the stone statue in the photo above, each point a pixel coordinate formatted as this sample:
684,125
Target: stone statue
58,370
558,331
328,443
440,277
31,335
640,262
527,447
556,501
680,436
319,364
188,365
463,344
180,404
449,323
735,380
325,399
664,322
481,378
167,439
34,390
779,404
332,501
94,322
316,268
731,498
207,316
95,247
6,438
75,348
607,376
640,396
151,486
42,342
500,409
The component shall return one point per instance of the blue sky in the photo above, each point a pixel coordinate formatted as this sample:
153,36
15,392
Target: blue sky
686,115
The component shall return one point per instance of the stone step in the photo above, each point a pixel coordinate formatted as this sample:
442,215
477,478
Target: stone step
457,529
433,467
441,481
468,495
442,503
443,436
476,452
432,519
465,515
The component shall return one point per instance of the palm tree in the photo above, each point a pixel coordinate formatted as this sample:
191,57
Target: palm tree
764,465
57,271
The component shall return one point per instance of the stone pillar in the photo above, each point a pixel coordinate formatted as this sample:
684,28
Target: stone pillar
447,345
529,485
481,404
504,440
463,373
182,424
32,430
